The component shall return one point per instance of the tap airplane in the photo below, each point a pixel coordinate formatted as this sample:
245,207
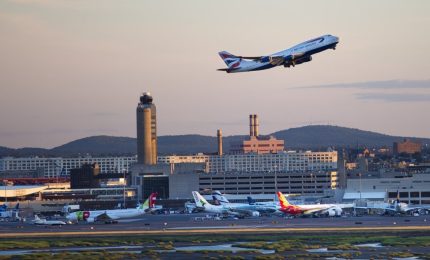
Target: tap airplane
113,214
313,209
295,55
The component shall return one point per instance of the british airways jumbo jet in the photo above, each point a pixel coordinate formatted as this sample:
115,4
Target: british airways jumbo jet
295,55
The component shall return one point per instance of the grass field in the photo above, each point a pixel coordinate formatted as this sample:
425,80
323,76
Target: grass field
396,244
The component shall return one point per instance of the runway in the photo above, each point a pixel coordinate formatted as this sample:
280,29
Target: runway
186,224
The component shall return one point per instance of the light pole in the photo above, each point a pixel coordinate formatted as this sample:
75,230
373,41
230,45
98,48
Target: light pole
5,190
360,184
123,191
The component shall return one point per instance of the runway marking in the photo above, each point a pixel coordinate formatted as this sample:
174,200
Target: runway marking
217,227
212,231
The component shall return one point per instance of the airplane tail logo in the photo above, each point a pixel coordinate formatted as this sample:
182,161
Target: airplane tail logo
230,60
282,200
199,200
152,199
149,202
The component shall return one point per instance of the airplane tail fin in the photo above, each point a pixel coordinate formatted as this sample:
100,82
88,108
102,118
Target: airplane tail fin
199,200
232,61
36,217
17,206
215,200
3,207
251,201
282,200
218,196
145,205
152,199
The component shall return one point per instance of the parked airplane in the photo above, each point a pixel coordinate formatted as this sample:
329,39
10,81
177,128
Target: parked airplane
224,209
295,55
398,207
3,207
312,209
6,212
220,199
39,221
114,214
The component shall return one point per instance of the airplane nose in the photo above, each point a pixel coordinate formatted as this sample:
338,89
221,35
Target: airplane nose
336,39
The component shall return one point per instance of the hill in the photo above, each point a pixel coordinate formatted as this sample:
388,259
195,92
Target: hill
316,136
307,137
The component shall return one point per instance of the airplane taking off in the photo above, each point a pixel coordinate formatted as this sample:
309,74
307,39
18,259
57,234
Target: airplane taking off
113,214
295,55
329,209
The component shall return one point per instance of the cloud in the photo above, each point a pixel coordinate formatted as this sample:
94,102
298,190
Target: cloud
394,97
388,84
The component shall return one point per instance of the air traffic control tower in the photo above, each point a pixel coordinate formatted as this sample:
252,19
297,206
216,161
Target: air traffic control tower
146,121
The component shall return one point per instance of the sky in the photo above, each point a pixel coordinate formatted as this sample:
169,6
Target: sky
73,69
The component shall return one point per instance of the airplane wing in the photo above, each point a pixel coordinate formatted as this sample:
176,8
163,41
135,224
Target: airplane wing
294,56
275,60
346,206
251,57
316,210
104,217
311,211
415,208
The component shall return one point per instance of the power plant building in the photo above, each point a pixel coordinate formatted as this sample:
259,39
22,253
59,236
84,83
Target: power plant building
256,143
407,146
146,122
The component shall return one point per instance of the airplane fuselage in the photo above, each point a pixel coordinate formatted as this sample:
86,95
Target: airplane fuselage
113,214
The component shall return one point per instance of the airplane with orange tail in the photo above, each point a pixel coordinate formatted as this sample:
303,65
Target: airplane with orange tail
311,209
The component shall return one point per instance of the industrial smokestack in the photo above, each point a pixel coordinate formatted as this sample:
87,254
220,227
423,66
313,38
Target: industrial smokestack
219,135
256,126
251,125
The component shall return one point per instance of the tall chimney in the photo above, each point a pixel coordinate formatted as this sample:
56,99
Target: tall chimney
256,126
219,135
251,125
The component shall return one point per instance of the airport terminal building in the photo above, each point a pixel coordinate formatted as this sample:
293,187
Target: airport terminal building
58,166
308,173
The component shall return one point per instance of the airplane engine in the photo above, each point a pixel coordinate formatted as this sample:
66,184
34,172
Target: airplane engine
338,211
90,220
255,214
331,212
265,59
303,60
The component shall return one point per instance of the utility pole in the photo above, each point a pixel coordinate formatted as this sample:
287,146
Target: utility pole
123,191
5,190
